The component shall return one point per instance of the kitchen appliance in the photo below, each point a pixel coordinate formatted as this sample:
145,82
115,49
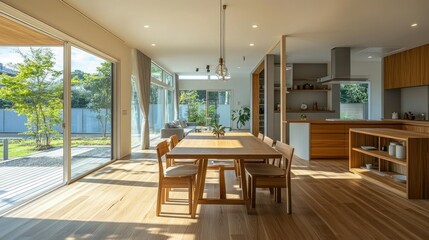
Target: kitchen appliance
340,68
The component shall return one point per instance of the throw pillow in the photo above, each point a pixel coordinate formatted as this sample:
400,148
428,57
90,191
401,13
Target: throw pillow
182,123
167,125
175,124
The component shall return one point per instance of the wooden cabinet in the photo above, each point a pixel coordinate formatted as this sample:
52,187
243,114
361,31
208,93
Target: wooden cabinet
407,69
384,168
328,141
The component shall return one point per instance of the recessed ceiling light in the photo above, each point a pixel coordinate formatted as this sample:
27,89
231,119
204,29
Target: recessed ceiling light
238,67
153,44
414,25
369,56
146,26
252,44
254,26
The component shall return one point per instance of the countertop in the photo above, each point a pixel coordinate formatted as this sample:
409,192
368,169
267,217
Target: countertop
384,122
342,121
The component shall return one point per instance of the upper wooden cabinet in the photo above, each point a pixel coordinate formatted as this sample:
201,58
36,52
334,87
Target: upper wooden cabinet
407,69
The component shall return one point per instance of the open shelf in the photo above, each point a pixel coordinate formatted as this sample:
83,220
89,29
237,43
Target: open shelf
416,146
382,155
384,178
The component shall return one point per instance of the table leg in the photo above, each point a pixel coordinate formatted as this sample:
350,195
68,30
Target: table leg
201,181
244,184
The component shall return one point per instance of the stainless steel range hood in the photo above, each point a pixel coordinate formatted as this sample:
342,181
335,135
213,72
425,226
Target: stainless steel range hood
340,68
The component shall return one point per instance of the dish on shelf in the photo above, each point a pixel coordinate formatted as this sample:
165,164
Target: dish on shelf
399,178
304,106
368,147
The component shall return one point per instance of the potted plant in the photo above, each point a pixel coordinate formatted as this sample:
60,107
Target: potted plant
241,115
218,130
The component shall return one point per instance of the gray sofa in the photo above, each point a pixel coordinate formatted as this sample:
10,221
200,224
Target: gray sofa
180,128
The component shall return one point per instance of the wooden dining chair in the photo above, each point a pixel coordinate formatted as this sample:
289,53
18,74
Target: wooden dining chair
174,140
271,176
267,140
178,176
261,136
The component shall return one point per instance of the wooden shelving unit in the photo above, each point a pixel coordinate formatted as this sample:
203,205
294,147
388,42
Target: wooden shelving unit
415,166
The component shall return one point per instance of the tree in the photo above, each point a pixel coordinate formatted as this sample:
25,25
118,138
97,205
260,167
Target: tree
35,92
195,114
99,85
80,97
354,93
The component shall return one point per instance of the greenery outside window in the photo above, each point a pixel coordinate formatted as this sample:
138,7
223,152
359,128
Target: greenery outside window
354,101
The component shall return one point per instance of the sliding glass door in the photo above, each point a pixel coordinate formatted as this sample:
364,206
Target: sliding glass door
31,110
34,87
206,107
91,112
219,108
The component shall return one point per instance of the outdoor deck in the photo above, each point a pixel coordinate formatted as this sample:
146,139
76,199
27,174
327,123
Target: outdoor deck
23,178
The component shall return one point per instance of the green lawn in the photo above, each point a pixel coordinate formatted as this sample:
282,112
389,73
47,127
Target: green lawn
25,147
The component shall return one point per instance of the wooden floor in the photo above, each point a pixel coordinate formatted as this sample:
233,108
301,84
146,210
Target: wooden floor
118,202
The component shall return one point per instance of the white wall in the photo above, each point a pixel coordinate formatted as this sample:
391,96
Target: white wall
373,69
240,87
63,18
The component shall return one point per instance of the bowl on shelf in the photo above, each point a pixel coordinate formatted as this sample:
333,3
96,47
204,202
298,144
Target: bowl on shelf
399,178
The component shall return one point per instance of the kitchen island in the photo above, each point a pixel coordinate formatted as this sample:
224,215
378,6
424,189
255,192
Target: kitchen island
328,139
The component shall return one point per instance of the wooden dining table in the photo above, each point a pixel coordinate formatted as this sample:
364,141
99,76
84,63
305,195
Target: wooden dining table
233,146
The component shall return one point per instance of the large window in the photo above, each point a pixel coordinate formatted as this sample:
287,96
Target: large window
34,110
354,101
136,117
31,110
156,110
205,107
91,112
161,104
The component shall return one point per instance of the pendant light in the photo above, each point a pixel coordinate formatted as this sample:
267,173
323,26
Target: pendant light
221,70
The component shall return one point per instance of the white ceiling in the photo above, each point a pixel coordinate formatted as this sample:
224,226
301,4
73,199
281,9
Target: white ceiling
186,32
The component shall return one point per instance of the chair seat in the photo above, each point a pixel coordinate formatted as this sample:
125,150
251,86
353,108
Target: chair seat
181,170
256,169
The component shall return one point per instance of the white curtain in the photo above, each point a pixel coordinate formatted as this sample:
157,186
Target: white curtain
141,71
176,84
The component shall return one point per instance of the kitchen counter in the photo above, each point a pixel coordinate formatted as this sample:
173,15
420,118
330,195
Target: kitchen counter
340,121
324,139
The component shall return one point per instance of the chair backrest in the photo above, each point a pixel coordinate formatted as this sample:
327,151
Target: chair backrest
161,150
268,141
174,140
261,136
287,153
